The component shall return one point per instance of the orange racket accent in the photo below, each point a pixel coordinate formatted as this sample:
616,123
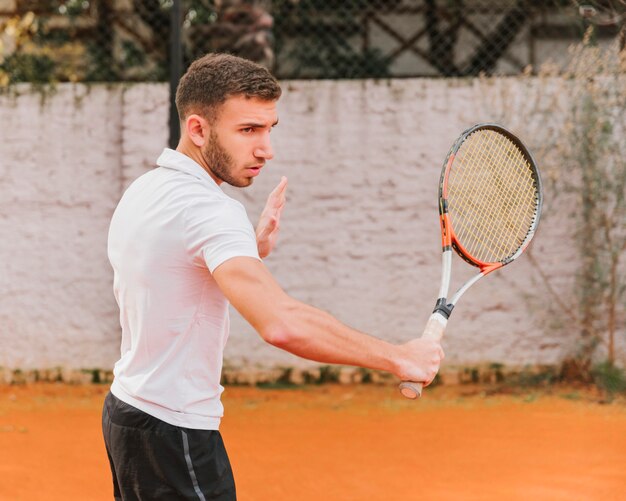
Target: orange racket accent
488,268
485,267
446,231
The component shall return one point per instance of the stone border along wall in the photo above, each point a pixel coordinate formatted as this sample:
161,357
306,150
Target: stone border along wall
290,376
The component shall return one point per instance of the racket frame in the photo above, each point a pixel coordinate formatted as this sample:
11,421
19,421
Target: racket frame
448,237
438,320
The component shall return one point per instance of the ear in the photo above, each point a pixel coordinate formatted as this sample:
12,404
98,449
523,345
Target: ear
197,129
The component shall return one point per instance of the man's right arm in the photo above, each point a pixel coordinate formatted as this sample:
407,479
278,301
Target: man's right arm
314,334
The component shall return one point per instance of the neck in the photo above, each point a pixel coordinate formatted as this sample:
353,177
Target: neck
186,147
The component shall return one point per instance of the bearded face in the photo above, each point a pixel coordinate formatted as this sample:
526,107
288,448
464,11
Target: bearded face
221,163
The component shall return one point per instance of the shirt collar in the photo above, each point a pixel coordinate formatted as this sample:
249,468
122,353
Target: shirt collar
172,159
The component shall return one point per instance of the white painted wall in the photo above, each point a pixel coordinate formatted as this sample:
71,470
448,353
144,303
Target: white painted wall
360,234
64,161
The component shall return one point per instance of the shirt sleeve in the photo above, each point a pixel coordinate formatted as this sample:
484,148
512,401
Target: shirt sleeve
218,230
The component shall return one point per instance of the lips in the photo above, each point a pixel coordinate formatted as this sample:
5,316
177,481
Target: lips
254,170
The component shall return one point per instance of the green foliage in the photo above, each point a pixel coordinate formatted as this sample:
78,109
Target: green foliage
436,382
609,378
73,8
28,68
531,377
282,382
581,130
571,396
596,152
31,52
473,373
497,371
328,374
366,375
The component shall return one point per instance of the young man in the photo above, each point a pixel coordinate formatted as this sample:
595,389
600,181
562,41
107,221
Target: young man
181,251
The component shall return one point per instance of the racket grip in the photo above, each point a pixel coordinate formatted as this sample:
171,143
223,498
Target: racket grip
434,330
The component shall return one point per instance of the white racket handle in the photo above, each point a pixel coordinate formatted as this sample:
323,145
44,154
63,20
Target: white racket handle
434,330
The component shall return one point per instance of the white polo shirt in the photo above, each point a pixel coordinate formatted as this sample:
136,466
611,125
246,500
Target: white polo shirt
172,228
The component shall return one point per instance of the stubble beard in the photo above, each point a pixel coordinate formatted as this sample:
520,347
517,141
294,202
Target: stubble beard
221,164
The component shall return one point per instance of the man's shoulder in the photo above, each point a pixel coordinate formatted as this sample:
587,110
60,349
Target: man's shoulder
172,180
201,201
181,190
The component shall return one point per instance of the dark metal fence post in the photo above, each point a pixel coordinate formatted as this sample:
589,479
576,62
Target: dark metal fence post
176,68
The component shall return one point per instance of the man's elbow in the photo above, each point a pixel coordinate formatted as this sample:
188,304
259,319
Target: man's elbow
280,336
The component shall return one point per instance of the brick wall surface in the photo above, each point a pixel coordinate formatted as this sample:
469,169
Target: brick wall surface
360,235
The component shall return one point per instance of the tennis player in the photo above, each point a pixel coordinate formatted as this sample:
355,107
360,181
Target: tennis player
181,251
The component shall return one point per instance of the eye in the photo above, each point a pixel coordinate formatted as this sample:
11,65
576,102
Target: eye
248,130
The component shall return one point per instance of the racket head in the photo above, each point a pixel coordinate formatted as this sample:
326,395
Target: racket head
490,197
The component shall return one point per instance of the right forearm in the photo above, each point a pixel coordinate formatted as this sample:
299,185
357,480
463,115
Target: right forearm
311,333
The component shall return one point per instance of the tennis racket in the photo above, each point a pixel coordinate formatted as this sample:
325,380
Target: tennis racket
490,201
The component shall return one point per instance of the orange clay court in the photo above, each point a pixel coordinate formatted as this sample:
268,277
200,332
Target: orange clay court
342,443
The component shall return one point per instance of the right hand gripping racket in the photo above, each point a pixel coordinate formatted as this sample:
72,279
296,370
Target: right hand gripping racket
490,201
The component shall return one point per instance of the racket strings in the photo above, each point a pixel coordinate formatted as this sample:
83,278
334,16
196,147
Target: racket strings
492,196
509,199
491,228
496,198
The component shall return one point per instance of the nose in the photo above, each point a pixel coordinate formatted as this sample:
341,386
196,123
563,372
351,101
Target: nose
265,150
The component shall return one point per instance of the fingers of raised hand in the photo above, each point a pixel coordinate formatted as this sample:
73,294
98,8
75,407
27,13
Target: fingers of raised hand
277,196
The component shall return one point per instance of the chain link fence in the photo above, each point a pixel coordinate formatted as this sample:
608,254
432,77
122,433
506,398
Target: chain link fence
407,38
143,40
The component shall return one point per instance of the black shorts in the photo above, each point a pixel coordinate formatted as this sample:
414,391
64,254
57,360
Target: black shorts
153,460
